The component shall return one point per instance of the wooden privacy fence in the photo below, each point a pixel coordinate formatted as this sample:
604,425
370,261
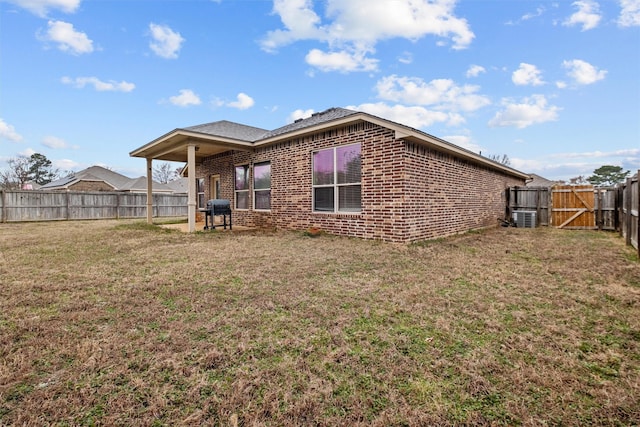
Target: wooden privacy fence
582,207
629,211
18,205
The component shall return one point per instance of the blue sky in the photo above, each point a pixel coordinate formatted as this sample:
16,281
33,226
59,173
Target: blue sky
554,85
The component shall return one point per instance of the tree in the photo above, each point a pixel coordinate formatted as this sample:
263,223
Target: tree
17,174
163,173
580,179
22,169
40,169
503,159
608,175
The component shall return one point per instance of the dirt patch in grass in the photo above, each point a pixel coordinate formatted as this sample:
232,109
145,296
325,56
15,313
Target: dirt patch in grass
119,323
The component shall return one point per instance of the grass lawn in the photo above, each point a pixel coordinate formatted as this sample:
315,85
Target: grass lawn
121,323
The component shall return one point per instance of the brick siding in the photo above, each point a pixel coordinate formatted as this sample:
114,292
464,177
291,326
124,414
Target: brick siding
91,186
409,192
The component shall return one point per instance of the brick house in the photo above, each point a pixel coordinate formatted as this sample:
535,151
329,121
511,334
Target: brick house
346,172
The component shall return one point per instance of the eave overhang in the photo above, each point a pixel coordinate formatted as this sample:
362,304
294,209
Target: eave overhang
173,146
401,132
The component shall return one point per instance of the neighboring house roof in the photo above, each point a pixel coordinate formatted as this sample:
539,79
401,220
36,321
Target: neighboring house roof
539,181
113,179
137,185
180,185
218,137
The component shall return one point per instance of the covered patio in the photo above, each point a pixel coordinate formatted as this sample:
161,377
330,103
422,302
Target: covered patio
190,146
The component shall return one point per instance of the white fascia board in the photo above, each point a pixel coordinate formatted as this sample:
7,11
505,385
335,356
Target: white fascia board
181,138
401,132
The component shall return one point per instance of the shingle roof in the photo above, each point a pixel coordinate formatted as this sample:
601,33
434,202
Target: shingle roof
241,132
229,129
62,182
97,173
140,184
315,119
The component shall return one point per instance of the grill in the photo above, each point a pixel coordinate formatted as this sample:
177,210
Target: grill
217,207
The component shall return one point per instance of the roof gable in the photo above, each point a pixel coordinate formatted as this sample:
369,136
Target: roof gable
229,129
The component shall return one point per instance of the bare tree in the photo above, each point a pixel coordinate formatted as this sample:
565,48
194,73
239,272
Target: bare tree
577,180
22,169
503,159
164,173
17,174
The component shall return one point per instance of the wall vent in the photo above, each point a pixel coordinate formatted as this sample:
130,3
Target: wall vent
524,219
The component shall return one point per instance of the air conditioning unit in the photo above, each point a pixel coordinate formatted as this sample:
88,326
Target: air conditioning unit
524,219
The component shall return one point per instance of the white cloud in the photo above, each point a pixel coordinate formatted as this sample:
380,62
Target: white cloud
165,42
100,86
588,15
416,117
565,166
527,74
41,7
539,11
406,58
354,27
243,102
463,141
624,153
629,13
341,61
68,39
582,72
65,164
530,111
54,142
27,152
299,114
443,94
8,132
186,98
475,70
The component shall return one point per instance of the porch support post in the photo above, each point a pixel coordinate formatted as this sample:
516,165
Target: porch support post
149,191
191,170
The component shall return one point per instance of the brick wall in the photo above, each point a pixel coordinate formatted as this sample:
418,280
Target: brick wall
90,186
408,192
445,195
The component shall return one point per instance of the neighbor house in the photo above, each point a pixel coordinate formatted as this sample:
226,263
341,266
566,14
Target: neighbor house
97,178
345,172
539,181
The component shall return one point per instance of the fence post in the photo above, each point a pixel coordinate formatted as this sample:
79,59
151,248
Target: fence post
598,207
638,212
3,200
627,208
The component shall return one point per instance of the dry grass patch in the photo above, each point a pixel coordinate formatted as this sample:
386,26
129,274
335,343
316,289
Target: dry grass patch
120,323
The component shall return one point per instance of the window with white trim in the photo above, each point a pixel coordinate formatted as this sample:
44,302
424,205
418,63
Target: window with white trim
336,179
200,192
262,186
242,187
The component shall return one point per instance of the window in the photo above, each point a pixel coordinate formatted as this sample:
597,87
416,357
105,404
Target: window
262,186
336,179
242,186
200,193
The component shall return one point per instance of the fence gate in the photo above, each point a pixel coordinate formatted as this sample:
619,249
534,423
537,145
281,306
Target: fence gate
573,207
